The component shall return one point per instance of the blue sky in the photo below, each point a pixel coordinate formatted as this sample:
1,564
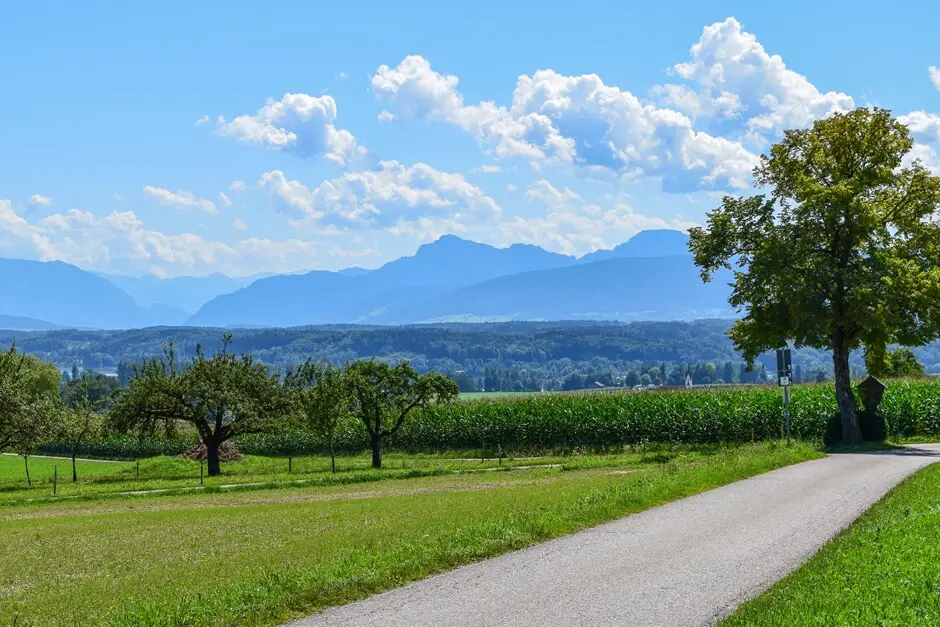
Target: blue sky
187,138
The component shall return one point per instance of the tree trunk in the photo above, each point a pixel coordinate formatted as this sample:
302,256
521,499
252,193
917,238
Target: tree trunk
333,455
844,396
74,471
376,451
212,457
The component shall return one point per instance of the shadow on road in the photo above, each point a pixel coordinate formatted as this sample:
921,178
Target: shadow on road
913,450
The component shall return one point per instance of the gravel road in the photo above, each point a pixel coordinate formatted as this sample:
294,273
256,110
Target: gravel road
686,563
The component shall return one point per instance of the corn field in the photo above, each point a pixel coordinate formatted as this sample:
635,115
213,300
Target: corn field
564,421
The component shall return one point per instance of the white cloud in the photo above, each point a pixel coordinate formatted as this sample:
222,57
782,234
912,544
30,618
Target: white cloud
926,155
735,74
924,126
225,200
510,188
37,200
20,238
180,198
384,197
238,186
575,226
571,119
488,169
297,123
120,241
239,225
203,120
935,77
386,116
415,92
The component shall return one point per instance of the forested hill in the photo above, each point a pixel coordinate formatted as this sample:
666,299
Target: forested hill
529,354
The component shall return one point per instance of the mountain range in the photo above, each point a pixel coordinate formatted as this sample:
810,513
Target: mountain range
650,277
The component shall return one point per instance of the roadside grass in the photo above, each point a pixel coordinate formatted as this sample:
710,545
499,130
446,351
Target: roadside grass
883,570
98,479
264,556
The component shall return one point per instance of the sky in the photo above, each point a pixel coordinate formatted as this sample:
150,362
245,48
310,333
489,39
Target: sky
180,138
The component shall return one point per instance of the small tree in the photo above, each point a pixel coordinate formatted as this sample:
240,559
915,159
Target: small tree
322,399
383,396
81,418
221,396
897,363
844,253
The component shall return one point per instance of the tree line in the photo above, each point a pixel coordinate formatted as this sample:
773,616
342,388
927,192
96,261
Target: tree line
219,395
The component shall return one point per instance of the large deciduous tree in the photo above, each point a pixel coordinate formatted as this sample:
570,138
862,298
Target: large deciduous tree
221,396
841,252
383,396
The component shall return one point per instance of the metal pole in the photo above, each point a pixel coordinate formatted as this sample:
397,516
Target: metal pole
786,410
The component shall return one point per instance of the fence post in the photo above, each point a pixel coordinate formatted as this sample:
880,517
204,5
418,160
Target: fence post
290,464
55,479
200,472
138,469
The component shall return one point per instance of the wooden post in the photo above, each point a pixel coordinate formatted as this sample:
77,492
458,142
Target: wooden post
55,479
200,472
290,464
138,469
499,450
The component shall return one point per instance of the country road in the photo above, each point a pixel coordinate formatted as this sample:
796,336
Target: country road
685,563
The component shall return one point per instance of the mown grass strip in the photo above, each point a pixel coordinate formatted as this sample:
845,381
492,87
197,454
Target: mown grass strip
883,570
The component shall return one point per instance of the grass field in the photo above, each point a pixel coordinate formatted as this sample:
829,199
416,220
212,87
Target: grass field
883,570
263,556
107,479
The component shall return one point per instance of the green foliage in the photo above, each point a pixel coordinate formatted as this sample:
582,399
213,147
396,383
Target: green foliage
98,389
898,363
29,395
383,396
322,396
843,253
221,396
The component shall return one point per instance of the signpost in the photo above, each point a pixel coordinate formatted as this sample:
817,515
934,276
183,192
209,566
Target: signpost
784,379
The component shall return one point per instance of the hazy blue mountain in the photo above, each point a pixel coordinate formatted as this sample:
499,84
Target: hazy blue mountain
65,295
20,323
652,243
640,288
321,297
186,293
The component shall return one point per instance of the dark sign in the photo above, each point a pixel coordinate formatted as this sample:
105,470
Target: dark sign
784,367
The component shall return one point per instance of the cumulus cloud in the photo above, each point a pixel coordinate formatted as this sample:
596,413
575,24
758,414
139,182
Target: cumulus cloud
225,200
571,119
924,126
935,76
180,198
414,91
736,76
238,186
573,225
203,120
297,123
386,196
38,200
121,241
239,225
